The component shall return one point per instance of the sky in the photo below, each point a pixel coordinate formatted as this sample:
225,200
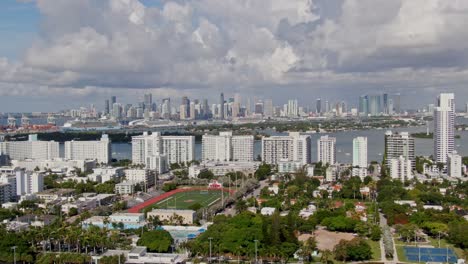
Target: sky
61,54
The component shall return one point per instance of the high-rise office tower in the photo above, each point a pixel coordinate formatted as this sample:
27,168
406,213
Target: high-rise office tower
397,103
326,150
444,127
238,98
399,145
327,106
295,148
318,106
385,104
106,107
466,107
113,99
259,108
205,109
166,108
192,110
363,105
235,111
148,102
186,105
360,157
221,106
268,110
293,109
248,107
374,105
117,111
391,107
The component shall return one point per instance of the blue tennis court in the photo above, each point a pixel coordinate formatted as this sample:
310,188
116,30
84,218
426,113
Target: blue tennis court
421,254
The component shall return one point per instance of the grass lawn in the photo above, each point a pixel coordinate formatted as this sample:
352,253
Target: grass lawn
375,246
186,199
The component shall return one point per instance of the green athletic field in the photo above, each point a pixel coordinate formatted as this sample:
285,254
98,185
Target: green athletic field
186,199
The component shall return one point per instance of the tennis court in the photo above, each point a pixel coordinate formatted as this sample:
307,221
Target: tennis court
185,199
422,254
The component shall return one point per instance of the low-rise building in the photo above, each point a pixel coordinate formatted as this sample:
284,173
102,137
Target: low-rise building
105,174
267,211
117,220
55,164
54,194
222,168
285,166
144,176
139,255
411,203
187,216
125,187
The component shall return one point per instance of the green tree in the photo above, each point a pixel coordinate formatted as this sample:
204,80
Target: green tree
263,171
206,174
458,234
355,250
169,186
156,241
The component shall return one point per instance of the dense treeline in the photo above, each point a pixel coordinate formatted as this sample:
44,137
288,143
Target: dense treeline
236,236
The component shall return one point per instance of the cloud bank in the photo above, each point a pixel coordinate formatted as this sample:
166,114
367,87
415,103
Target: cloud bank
257,46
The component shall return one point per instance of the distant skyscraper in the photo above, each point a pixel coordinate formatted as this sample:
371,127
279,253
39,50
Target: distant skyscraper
444,127
293,109
113,100
221,106
186,104
166,108
385,104
268,110
326,150
363,105
148,100
374,104
397,103
106,107
360,157
205,109
327,106
318,106
259,108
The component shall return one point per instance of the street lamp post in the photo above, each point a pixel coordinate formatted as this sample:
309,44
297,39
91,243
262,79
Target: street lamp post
14,254
210,238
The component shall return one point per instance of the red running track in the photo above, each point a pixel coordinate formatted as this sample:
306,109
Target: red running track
137,208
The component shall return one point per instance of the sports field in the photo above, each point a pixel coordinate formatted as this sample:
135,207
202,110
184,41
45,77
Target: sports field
185,199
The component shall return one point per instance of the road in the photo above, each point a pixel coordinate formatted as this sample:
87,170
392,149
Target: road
383,223
231,211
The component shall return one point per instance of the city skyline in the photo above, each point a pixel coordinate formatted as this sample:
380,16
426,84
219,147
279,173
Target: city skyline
217,57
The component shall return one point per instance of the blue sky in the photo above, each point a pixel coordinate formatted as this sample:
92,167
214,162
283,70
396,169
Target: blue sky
18,27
